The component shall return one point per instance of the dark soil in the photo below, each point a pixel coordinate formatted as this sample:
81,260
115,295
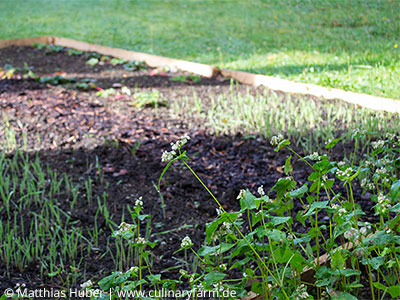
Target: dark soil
71,128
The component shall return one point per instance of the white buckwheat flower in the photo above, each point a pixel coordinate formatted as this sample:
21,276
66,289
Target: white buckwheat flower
134,270
87,284
352,234
276,139
139,202
301,292
260,190
186,243
314,156
167,156
140,241
378,144
123,228
242,193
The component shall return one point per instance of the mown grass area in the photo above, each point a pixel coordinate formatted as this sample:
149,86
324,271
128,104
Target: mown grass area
353,45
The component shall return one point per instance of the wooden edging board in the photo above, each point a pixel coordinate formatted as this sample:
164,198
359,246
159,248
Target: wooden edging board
273,83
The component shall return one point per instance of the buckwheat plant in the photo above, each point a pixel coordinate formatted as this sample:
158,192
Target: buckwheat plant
260,242
135,269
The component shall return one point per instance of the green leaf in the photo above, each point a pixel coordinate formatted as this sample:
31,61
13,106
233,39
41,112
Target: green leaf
279,220
346,272
321,165
376,262
92,62
300,191
248,201
214,277
394,291
107,282
341,296
395,190
338,262
288,166
380,286
303,239
206,250
380,238
316,205
332,143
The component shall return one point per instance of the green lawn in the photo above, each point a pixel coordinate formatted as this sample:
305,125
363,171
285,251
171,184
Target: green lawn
344,44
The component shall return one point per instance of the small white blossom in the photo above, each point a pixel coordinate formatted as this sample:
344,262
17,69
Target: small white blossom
139,202
342,211
167,156
351,234
242,193
123,228
390,136
301,293
341,163
363,231
140,241
186,243
364,182
134,270
335,206
87,284
378,144
276,139
219,211
222,267
260,190
314,156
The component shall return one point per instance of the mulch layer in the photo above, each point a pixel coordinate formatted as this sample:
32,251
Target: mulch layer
71,129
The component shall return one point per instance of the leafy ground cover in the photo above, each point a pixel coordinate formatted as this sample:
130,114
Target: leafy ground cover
352,45
85,140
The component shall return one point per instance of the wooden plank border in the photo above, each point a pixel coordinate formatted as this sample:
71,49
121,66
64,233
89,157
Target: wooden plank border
273,83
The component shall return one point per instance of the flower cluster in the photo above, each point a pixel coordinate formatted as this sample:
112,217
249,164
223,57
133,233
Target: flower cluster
87,284
140,241
364,230
301,293
186,243
184,139
344,173
352,234
241,194
276,139
260,191
378,144
167,156
124,228
314,156
139,202
383,205
341,210
133,270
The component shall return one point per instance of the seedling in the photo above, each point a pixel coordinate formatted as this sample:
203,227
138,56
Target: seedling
49,48
92,61
188,78
54,80
152,99
117,61
134,65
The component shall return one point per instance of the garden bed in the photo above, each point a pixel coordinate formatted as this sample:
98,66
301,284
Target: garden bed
104,123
